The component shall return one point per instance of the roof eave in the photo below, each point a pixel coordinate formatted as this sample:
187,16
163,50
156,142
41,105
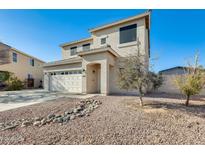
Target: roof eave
99,51
23,53
76,42
120,22
63,63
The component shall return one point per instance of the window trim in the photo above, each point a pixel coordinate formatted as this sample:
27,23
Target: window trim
85,45
124,28
74,47
67,72
16,58
105,37
32,62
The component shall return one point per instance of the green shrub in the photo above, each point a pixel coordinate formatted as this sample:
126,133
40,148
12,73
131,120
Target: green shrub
4,76
13,83
192,82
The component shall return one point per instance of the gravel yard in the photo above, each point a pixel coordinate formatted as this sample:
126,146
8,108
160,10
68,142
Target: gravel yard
118,120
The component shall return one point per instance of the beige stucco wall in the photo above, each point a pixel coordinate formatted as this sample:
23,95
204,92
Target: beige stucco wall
169,86
100,58
22,68
63,67
113,80
112,35
93,78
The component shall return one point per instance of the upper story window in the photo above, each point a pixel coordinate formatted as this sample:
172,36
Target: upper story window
73,51
32,62
103,41
14,57
86,47
128,33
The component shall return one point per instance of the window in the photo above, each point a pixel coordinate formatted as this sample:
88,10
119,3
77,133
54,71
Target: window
32,62
103,41
29,76
73,51
15,57
128,33
86,47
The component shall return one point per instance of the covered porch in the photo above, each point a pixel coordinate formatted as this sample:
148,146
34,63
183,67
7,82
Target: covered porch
97,68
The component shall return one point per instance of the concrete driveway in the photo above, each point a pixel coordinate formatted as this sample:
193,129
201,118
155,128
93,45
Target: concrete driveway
14,99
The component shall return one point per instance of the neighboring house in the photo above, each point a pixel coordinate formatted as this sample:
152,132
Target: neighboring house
169,75
25,67
91,65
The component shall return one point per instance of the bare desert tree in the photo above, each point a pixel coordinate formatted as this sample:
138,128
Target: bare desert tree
192,81
134,74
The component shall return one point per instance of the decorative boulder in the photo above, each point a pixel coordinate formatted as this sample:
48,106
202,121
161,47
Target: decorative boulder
37,123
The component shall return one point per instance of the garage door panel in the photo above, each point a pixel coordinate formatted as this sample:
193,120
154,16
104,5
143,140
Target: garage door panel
70,83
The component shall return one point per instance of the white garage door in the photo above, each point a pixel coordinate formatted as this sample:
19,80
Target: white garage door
66,82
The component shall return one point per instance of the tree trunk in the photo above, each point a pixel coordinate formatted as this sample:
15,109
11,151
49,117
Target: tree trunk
187,100
141,101
140,97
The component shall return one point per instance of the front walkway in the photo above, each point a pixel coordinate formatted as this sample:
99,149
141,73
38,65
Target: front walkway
14,99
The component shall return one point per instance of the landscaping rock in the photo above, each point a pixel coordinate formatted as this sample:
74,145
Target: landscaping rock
49,120
95,106
81,110
37,123
81,114
37,119
55,120
75,110
60,119
1,124
66,118
43,121
10,127
50,116
58,116
72,117
68,112
26,123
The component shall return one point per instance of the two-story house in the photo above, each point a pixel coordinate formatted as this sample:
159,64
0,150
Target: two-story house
91,65
25,67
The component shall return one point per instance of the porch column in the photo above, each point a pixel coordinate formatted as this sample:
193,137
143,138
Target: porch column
84,76
104,78
46,81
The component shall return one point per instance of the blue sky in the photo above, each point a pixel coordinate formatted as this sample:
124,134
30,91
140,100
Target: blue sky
175,34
